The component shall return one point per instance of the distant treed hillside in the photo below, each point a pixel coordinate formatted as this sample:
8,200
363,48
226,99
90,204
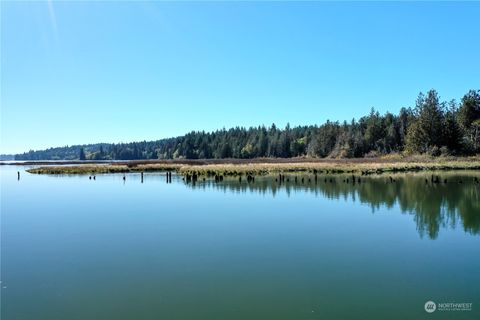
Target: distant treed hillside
431,127
5,157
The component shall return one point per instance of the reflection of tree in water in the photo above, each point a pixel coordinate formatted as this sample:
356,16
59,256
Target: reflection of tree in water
434,205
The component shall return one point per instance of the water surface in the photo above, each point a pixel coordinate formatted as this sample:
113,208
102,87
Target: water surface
75,248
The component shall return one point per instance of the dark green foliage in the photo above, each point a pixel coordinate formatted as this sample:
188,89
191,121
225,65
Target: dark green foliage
469,120
427,133
430,127
81,155
452,130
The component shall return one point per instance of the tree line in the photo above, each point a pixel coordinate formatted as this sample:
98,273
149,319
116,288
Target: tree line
431,127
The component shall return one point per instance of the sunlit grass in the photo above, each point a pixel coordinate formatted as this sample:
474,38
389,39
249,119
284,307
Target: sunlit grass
360,166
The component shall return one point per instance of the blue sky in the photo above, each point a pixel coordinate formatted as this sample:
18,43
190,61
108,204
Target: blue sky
86,72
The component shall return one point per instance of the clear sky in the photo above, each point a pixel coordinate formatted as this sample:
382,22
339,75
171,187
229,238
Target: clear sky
86,72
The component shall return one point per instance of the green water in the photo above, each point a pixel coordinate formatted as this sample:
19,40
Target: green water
74,248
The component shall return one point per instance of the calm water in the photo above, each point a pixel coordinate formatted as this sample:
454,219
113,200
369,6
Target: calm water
74,248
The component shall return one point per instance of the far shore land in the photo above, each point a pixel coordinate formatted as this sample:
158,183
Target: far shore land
259,166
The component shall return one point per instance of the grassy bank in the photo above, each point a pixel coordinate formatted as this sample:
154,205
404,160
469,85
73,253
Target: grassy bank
258,167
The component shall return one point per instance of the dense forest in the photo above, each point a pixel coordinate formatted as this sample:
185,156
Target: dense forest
431,127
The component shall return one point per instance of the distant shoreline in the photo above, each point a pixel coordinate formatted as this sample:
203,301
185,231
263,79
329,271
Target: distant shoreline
259,166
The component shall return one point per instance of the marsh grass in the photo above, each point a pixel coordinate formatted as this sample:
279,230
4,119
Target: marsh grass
104,168
359,166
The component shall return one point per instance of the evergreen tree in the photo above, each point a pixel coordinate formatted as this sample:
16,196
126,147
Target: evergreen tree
452,131
468,117
82,154
427,132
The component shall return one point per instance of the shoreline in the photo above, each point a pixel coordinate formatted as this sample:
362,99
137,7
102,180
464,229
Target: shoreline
239,167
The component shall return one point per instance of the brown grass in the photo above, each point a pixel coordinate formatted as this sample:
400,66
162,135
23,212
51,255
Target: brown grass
230,167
